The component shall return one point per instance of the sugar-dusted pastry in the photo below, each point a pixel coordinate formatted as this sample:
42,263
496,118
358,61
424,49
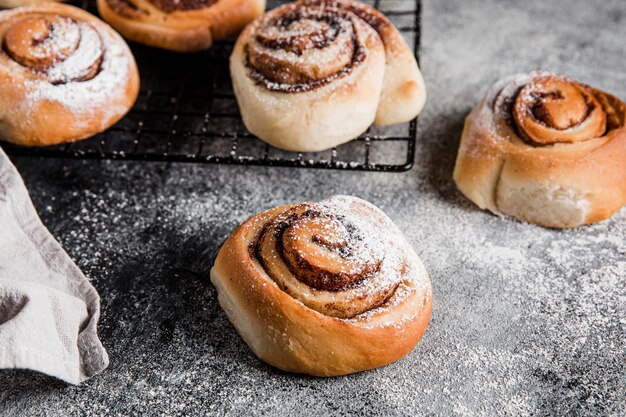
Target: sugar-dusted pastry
64,75
179,25
325,289
545,149
314,74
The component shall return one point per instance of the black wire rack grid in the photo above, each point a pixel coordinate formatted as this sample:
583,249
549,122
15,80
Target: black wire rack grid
187,112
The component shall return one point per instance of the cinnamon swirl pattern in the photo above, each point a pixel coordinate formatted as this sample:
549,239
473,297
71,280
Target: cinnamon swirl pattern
179,25
64,75
314,74
326,288
545,149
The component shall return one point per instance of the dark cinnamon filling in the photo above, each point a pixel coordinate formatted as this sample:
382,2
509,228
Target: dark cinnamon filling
318,276
43,43
551,109
126,8
312,37
378,21
615,111
316,271
33,42
374,18
169,6
296,33
540,111
299,44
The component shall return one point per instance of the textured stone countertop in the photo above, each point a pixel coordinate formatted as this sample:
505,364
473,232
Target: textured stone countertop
526,320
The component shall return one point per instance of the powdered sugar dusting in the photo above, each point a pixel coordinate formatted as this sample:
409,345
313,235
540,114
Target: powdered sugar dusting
526,321
101,92
298,47
492,116
78,65
85,68
342,257
65,39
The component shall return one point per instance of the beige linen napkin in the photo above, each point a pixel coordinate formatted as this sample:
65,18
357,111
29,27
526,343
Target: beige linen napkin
48,309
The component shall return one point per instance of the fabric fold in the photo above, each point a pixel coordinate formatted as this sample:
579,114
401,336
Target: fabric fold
48,309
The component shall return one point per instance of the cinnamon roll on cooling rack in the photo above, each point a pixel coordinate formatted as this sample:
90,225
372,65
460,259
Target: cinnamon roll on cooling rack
314,74
179,25
545,149
326,288
64,75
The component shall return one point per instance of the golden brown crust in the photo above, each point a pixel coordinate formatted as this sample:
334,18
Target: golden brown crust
295,337
64,75
9,4
192,25
519,159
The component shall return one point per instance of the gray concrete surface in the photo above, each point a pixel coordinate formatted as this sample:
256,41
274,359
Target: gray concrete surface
526,321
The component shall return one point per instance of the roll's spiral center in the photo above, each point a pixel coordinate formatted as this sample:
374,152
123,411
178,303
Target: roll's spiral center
321,251
297,36
560,107
55,48
40,42
299,48
552,110
333,257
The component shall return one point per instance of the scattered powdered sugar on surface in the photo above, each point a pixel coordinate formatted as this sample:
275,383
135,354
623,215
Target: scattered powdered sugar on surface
528,312
521,315
526,320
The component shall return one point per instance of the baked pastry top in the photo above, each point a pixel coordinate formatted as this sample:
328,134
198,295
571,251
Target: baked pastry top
179,25
545,149
324,288
64,75
313,74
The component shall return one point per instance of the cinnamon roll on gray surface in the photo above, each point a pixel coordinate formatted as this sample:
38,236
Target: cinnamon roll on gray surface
326,288
545,149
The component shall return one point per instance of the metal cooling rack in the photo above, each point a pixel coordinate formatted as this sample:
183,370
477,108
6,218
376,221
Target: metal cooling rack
187,112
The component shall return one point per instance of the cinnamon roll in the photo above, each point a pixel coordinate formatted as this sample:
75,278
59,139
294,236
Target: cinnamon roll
179,25
545,149
64,75
326,289
317,73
